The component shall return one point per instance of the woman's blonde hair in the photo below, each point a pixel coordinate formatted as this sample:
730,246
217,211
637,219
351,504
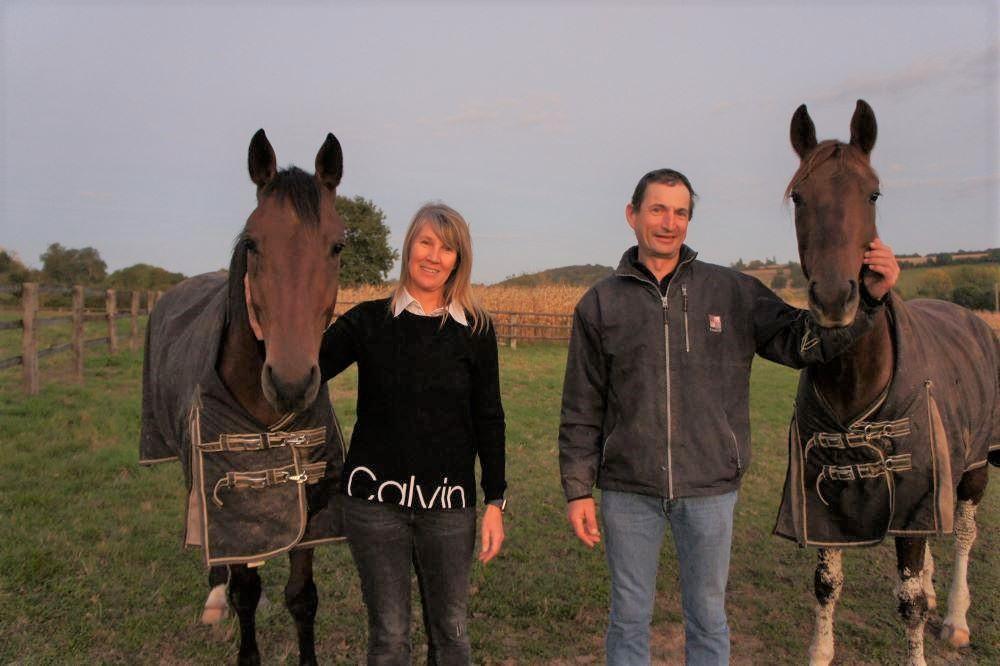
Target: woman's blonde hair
453,230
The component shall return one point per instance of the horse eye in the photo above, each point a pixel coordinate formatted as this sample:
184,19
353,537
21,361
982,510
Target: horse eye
796,198
336,249
874,196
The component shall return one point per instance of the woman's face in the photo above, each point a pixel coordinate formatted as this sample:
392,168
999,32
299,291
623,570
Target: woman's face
431,261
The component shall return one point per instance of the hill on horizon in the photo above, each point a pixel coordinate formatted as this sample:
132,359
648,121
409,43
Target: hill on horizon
583,275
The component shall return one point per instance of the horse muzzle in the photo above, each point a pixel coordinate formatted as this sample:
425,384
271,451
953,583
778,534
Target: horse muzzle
834,303
289,395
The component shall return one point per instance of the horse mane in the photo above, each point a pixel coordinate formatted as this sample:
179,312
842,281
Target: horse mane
847,157
301,190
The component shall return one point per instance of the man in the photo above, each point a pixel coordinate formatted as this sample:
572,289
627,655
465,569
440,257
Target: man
656,411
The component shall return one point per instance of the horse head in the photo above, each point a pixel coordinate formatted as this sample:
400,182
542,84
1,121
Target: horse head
834,192
285,271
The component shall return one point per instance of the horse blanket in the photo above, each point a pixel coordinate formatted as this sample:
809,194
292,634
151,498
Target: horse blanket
254,490
893,470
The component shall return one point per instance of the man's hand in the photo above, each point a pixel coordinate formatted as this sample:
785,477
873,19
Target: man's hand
492,533
582,516
884,269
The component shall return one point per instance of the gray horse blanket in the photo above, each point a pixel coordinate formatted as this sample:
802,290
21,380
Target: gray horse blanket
894,470
254,490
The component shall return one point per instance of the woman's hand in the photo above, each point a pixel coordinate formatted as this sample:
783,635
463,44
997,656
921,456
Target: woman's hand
492,533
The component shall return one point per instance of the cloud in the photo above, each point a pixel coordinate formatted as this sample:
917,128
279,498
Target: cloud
962,70
959,186
542,112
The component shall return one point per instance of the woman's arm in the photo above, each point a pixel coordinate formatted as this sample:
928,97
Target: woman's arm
341,344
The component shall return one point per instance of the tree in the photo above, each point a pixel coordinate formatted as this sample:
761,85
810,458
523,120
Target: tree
12,270
797,278
367,257
935,283
64,265
779,281
144,277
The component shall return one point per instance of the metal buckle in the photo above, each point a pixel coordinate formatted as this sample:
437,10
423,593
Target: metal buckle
298,478
296,440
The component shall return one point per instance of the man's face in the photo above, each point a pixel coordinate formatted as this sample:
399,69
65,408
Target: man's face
661,221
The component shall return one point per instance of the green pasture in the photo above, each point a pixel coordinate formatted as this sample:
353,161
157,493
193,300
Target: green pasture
92,570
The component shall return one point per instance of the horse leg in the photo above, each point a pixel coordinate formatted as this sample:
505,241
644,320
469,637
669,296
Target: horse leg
827,583
301,600
244,593
216,606
927,578
910,595
955,628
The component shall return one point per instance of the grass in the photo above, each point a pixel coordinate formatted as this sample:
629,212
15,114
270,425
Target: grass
91,570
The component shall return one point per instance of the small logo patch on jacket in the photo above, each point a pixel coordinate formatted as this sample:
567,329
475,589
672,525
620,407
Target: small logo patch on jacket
715,323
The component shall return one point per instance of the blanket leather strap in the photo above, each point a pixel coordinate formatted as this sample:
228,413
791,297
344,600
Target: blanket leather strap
265,440
862,433
898,463
311,473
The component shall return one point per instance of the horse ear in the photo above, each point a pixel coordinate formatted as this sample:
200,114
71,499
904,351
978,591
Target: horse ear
863,127
330,163
263,165
803,132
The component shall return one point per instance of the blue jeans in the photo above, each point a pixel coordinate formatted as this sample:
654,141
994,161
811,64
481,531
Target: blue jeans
702,528
384,540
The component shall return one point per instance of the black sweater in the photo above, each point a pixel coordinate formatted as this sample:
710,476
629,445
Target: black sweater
428,403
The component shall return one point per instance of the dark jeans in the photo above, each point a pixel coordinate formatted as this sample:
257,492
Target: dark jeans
384,540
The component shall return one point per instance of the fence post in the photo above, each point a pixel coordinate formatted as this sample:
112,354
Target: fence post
513,331
29,345
133,343
109,306
78,332
149,301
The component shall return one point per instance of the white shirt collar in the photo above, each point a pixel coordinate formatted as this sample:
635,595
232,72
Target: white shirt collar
412,305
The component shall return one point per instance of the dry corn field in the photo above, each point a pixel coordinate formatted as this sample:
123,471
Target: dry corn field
536,313
545,312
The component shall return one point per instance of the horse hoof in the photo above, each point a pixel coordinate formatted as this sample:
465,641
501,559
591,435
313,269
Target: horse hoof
956,636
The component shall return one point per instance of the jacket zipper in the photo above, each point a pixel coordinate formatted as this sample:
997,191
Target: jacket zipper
666,356
665,301
684,303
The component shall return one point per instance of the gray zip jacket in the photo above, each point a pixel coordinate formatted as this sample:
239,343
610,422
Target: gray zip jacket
656,394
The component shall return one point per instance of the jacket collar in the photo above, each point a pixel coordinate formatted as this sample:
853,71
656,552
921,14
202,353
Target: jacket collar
626,269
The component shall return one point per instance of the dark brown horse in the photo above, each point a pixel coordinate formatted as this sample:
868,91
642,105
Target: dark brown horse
232,375
892,437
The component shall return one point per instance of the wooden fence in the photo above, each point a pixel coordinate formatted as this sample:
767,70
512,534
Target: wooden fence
30,323
514,327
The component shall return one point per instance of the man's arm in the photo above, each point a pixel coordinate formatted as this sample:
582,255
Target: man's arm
581,422
791,336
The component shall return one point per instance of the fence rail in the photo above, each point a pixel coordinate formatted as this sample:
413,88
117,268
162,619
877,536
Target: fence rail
30,323
514,327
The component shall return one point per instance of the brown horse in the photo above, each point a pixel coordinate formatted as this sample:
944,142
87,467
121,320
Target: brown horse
232,387
889,435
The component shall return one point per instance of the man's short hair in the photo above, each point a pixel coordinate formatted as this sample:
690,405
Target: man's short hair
662,177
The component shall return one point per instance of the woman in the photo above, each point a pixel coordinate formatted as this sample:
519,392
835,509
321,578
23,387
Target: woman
428,404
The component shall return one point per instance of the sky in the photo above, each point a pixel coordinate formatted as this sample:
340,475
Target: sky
125,125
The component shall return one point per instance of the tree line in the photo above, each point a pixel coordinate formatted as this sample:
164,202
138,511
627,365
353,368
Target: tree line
367,258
